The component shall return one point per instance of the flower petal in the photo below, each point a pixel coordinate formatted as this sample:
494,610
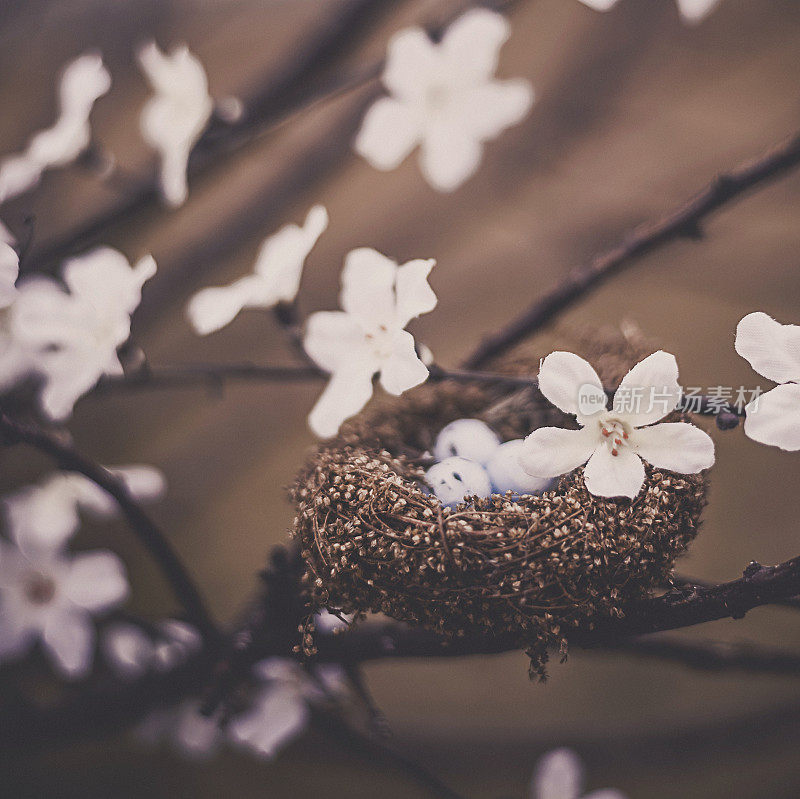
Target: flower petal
368,287
563,376
649,391
772,349
551,451
774,417
9,272
403,369
677,446
558,775
69,638
471,45
281,257
347,392
213,308
608,475
334,340
412,64
279,715
128,650
390,131
492,107
694,11
96,581
414,296
449,155
600,5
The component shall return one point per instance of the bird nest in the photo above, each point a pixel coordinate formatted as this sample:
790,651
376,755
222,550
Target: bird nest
528,568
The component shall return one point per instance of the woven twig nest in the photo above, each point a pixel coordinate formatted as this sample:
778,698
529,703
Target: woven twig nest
529,567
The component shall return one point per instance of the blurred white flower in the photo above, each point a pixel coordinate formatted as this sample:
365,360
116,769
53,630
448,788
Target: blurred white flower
48,595
6,236
506,472
560,775
379,298
615,442
194,735
773,350
83,81
14,360
132,652
73,335
276,277
175,117
454,479
280,711
443,97
466,438
45,516
691,11
128,649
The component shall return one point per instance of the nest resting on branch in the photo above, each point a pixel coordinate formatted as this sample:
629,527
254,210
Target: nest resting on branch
535,567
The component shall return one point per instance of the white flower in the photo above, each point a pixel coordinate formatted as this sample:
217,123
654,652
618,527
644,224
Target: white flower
276,277
444,98
48,595
506,472
175,117
74,335
691,11
14,360
132,652
83,82
615,442
45,516
560,775
194,735
379,299
773,350
280,712
466,438
454,479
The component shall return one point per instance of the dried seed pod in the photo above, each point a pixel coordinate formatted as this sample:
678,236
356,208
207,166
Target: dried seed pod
528,567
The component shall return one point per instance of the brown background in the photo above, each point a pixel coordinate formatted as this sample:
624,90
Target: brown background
634,111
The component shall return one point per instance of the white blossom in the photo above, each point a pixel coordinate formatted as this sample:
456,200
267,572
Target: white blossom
132,652
466,438
276,277
174,118
560,775
444,98
454,479
194,735
506,472
280,711
50,596
14,360
83,82
72,334
615,442
45,516
773,350
691,11
368,337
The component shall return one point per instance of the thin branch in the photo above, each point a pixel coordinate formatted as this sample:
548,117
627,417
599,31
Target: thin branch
682,581
215,376
70,459
682,222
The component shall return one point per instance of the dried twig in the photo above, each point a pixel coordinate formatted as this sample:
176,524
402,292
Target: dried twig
70,459
682,222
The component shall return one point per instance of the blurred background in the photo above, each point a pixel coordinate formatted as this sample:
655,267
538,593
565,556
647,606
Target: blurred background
634,112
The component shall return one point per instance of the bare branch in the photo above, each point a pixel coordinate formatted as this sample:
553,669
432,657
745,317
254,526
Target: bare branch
67,457
682,222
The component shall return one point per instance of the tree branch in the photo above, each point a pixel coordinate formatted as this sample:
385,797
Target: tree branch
682,222
67,457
